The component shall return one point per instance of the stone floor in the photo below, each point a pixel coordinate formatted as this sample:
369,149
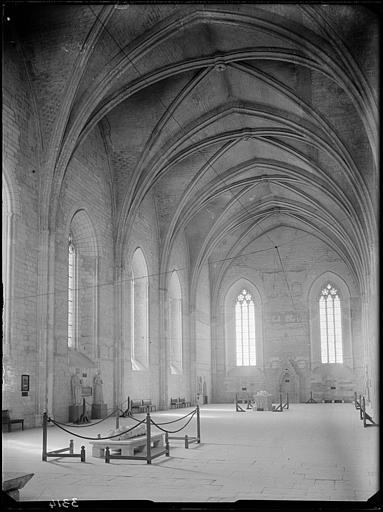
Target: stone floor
309,452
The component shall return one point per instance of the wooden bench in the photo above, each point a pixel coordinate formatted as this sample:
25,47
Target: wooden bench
127,447
183,403
174,403
6,420
179,402
136,406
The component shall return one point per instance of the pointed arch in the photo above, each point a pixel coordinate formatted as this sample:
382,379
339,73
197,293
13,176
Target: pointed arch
245,329
330,319
243,325
332,324
83,233
175,324
139,312
82,265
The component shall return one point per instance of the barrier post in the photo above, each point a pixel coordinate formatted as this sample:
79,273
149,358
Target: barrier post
71,446
198,426
167,444
355,399
287,401
364,412
360,408
280,402
186,441
311,400
82,454
45,436
148,440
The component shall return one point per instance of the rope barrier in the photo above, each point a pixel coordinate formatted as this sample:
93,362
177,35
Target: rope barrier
113,411
173,431
178,419
122,403
90,424
61,452
150,454
135,419
186,438
95,438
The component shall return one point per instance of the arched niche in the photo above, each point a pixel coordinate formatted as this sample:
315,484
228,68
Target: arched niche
139,311
175,328
289,382
83,255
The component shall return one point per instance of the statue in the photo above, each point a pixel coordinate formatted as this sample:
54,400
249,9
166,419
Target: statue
76,385
97,389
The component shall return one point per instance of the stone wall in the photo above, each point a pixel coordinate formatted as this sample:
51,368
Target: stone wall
203,349
86,189
21,146
49,80
179,385
138,384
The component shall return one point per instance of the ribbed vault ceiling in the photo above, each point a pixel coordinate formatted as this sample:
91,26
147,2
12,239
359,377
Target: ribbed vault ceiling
237,119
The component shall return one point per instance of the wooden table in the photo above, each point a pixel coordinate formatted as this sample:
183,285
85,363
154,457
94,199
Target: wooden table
12,482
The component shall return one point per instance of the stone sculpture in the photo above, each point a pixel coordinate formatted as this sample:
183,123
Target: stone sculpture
97,389
76,385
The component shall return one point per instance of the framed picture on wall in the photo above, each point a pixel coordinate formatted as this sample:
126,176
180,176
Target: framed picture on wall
25,383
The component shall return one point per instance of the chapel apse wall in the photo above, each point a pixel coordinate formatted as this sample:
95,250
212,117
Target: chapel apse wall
286,331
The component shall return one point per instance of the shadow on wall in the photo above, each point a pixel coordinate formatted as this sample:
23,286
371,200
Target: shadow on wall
243,377
332,382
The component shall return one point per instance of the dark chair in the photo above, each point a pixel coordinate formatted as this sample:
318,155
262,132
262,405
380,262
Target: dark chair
136,406
148,403
6,420
174,403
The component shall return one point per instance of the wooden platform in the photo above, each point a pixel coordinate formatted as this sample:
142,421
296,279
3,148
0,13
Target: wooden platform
126,447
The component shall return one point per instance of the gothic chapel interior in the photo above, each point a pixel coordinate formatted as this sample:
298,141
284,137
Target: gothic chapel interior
190,202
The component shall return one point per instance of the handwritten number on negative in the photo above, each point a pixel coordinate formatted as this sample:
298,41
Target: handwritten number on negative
65,503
